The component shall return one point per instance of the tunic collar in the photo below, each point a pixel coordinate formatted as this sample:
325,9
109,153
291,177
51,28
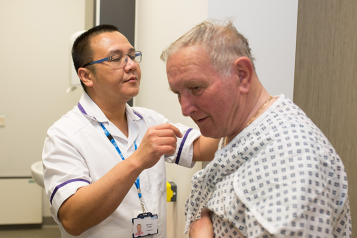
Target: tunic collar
91,110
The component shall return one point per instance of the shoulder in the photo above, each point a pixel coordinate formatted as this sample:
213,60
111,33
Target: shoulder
69,124
145,111
150,116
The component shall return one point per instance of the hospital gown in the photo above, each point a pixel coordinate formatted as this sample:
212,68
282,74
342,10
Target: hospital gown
279,177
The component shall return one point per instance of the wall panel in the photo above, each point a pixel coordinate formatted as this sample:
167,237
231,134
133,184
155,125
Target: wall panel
326,77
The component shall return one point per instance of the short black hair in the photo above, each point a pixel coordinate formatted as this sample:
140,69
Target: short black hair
81,50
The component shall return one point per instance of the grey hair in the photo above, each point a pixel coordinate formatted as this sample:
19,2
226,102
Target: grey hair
221,41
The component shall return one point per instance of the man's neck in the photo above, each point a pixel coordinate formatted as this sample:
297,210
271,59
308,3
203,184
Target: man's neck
115,112
118,117
251,107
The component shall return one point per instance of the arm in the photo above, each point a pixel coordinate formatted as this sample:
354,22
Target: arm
204,148
86,208
203,227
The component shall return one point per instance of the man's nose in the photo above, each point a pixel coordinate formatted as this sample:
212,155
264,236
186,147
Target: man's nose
130,64
187,105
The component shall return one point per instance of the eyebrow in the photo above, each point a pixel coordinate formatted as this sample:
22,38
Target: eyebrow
114,52
193,83
187,84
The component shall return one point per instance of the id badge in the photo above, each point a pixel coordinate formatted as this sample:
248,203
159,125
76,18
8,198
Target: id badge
145,224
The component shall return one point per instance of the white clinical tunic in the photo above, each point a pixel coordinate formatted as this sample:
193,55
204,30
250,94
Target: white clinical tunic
77,153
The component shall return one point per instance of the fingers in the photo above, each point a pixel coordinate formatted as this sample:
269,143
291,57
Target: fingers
157,141
165,133
168,126
167,149
161,136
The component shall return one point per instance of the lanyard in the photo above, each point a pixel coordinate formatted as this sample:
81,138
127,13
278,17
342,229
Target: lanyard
137,181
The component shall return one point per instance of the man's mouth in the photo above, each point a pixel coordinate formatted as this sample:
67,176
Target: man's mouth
201,120
131,79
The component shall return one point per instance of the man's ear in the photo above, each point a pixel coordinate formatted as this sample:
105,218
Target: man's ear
85,76
244,69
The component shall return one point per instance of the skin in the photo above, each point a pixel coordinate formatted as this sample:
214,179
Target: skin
221,107
202,227
110,89
138,227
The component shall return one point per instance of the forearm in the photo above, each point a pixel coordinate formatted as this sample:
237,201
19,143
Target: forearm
92,204
202,228
204,148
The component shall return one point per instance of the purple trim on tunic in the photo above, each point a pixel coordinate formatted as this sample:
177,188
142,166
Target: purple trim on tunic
181,146
141,117
65,183
81,109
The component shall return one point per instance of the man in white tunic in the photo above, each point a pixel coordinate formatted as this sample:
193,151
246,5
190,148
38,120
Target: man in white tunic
95,153
275,174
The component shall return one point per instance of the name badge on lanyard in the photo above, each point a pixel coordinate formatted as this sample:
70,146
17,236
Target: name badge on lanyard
146,223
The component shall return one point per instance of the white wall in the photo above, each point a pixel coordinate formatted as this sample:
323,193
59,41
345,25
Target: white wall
34,63
270,27
159,22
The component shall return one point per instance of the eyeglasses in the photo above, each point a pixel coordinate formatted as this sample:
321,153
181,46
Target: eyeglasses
119,60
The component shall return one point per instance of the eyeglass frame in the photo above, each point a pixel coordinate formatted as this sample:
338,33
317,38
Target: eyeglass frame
110,58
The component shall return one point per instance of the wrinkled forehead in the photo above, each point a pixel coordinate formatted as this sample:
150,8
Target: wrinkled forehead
187,56
187,59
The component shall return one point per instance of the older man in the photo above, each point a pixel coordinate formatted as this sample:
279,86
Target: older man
275,173
103,160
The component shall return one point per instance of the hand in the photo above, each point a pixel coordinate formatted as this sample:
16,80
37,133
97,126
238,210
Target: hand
202,228
158,140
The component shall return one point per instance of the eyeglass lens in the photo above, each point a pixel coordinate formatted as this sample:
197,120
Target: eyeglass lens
119,61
